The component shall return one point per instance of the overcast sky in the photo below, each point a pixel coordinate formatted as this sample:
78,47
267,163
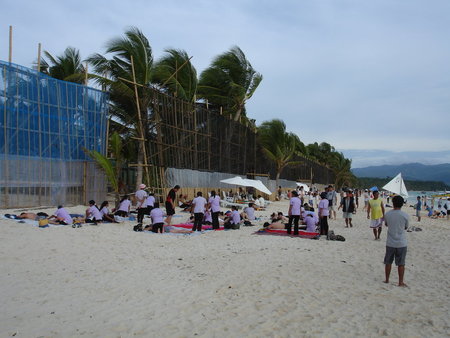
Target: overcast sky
357,74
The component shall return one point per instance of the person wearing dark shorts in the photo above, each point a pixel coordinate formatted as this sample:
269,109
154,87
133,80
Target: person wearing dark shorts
397,222
170,203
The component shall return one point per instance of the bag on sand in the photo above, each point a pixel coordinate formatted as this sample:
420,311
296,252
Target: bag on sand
331,236
340,238
138,227
43,223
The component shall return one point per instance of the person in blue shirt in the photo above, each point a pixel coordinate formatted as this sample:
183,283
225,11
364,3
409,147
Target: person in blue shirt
418,208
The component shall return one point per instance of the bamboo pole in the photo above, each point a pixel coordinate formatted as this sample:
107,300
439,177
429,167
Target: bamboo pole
86,74
39,58
10,43
141,129
176,71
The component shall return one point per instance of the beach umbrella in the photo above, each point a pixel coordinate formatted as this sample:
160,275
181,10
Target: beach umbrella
374,188
258,185
305,187
245,182
237,180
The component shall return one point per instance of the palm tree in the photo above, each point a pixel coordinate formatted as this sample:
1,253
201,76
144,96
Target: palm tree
278,145
112,167
229,82
175,73
341,168
67,67
116,75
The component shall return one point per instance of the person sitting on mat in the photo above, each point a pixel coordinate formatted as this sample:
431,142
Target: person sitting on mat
104,211
61,216
93,215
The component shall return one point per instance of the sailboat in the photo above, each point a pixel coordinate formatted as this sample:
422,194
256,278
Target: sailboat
397,186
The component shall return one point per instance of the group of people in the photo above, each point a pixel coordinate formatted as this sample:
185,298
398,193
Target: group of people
442,210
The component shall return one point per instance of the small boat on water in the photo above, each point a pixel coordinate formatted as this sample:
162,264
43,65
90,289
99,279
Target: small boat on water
443,195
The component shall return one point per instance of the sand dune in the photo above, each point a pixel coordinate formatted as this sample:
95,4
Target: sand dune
110,281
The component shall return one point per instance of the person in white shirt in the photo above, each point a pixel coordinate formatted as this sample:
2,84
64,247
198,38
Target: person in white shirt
124,207
214,203
260,203
104,211
198,208
150,203
61,216
248,214
93,215
157,216
141,202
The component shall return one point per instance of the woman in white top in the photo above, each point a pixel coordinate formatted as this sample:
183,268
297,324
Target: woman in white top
124,207
214,203
104,211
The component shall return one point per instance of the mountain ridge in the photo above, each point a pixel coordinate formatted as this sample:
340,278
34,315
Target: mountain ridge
410,171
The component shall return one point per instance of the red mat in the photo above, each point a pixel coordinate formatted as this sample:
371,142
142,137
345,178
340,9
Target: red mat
280,232
189,226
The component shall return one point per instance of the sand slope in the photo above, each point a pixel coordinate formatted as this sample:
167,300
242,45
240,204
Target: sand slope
112,282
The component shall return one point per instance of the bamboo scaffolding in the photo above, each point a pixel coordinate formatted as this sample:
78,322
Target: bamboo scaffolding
141,130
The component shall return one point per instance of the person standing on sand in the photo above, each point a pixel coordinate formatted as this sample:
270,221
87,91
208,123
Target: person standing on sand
214,203
332,201
348,208
141,203
198,208
323,214
397,222
170,203
418,207
366,199
294,212
375,212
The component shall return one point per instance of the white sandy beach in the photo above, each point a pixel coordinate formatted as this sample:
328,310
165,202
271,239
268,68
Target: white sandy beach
109,281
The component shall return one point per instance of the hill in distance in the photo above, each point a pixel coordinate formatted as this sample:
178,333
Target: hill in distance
410,171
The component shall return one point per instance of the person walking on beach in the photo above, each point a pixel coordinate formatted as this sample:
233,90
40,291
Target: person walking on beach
348,208
366,199
324,212
170,203
214,203
198,208
332,201
397,222
141,203
418,207
375,212
294,212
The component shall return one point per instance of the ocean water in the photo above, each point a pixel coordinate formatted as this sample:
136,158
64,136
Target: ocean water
412,199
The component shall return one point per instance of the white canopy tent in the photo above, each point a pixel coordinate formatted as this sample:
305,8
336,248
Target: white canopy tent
246,182
305,187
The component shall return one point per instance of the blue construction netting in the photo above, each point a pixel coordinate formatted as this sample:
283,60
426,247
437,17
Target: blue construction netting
45,125
48,118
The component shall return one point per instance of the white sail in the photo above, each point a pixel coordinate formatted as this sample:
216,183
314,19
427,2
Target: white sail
397,186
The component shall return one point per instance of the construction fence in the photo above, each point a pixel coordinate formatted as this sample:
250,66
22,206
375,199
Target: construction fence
45,125
198,137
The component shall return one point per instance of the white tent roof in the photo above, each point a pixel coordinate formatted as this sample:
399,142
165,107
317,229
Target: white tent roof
397,186
237,180
305,187
245,182
257,184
